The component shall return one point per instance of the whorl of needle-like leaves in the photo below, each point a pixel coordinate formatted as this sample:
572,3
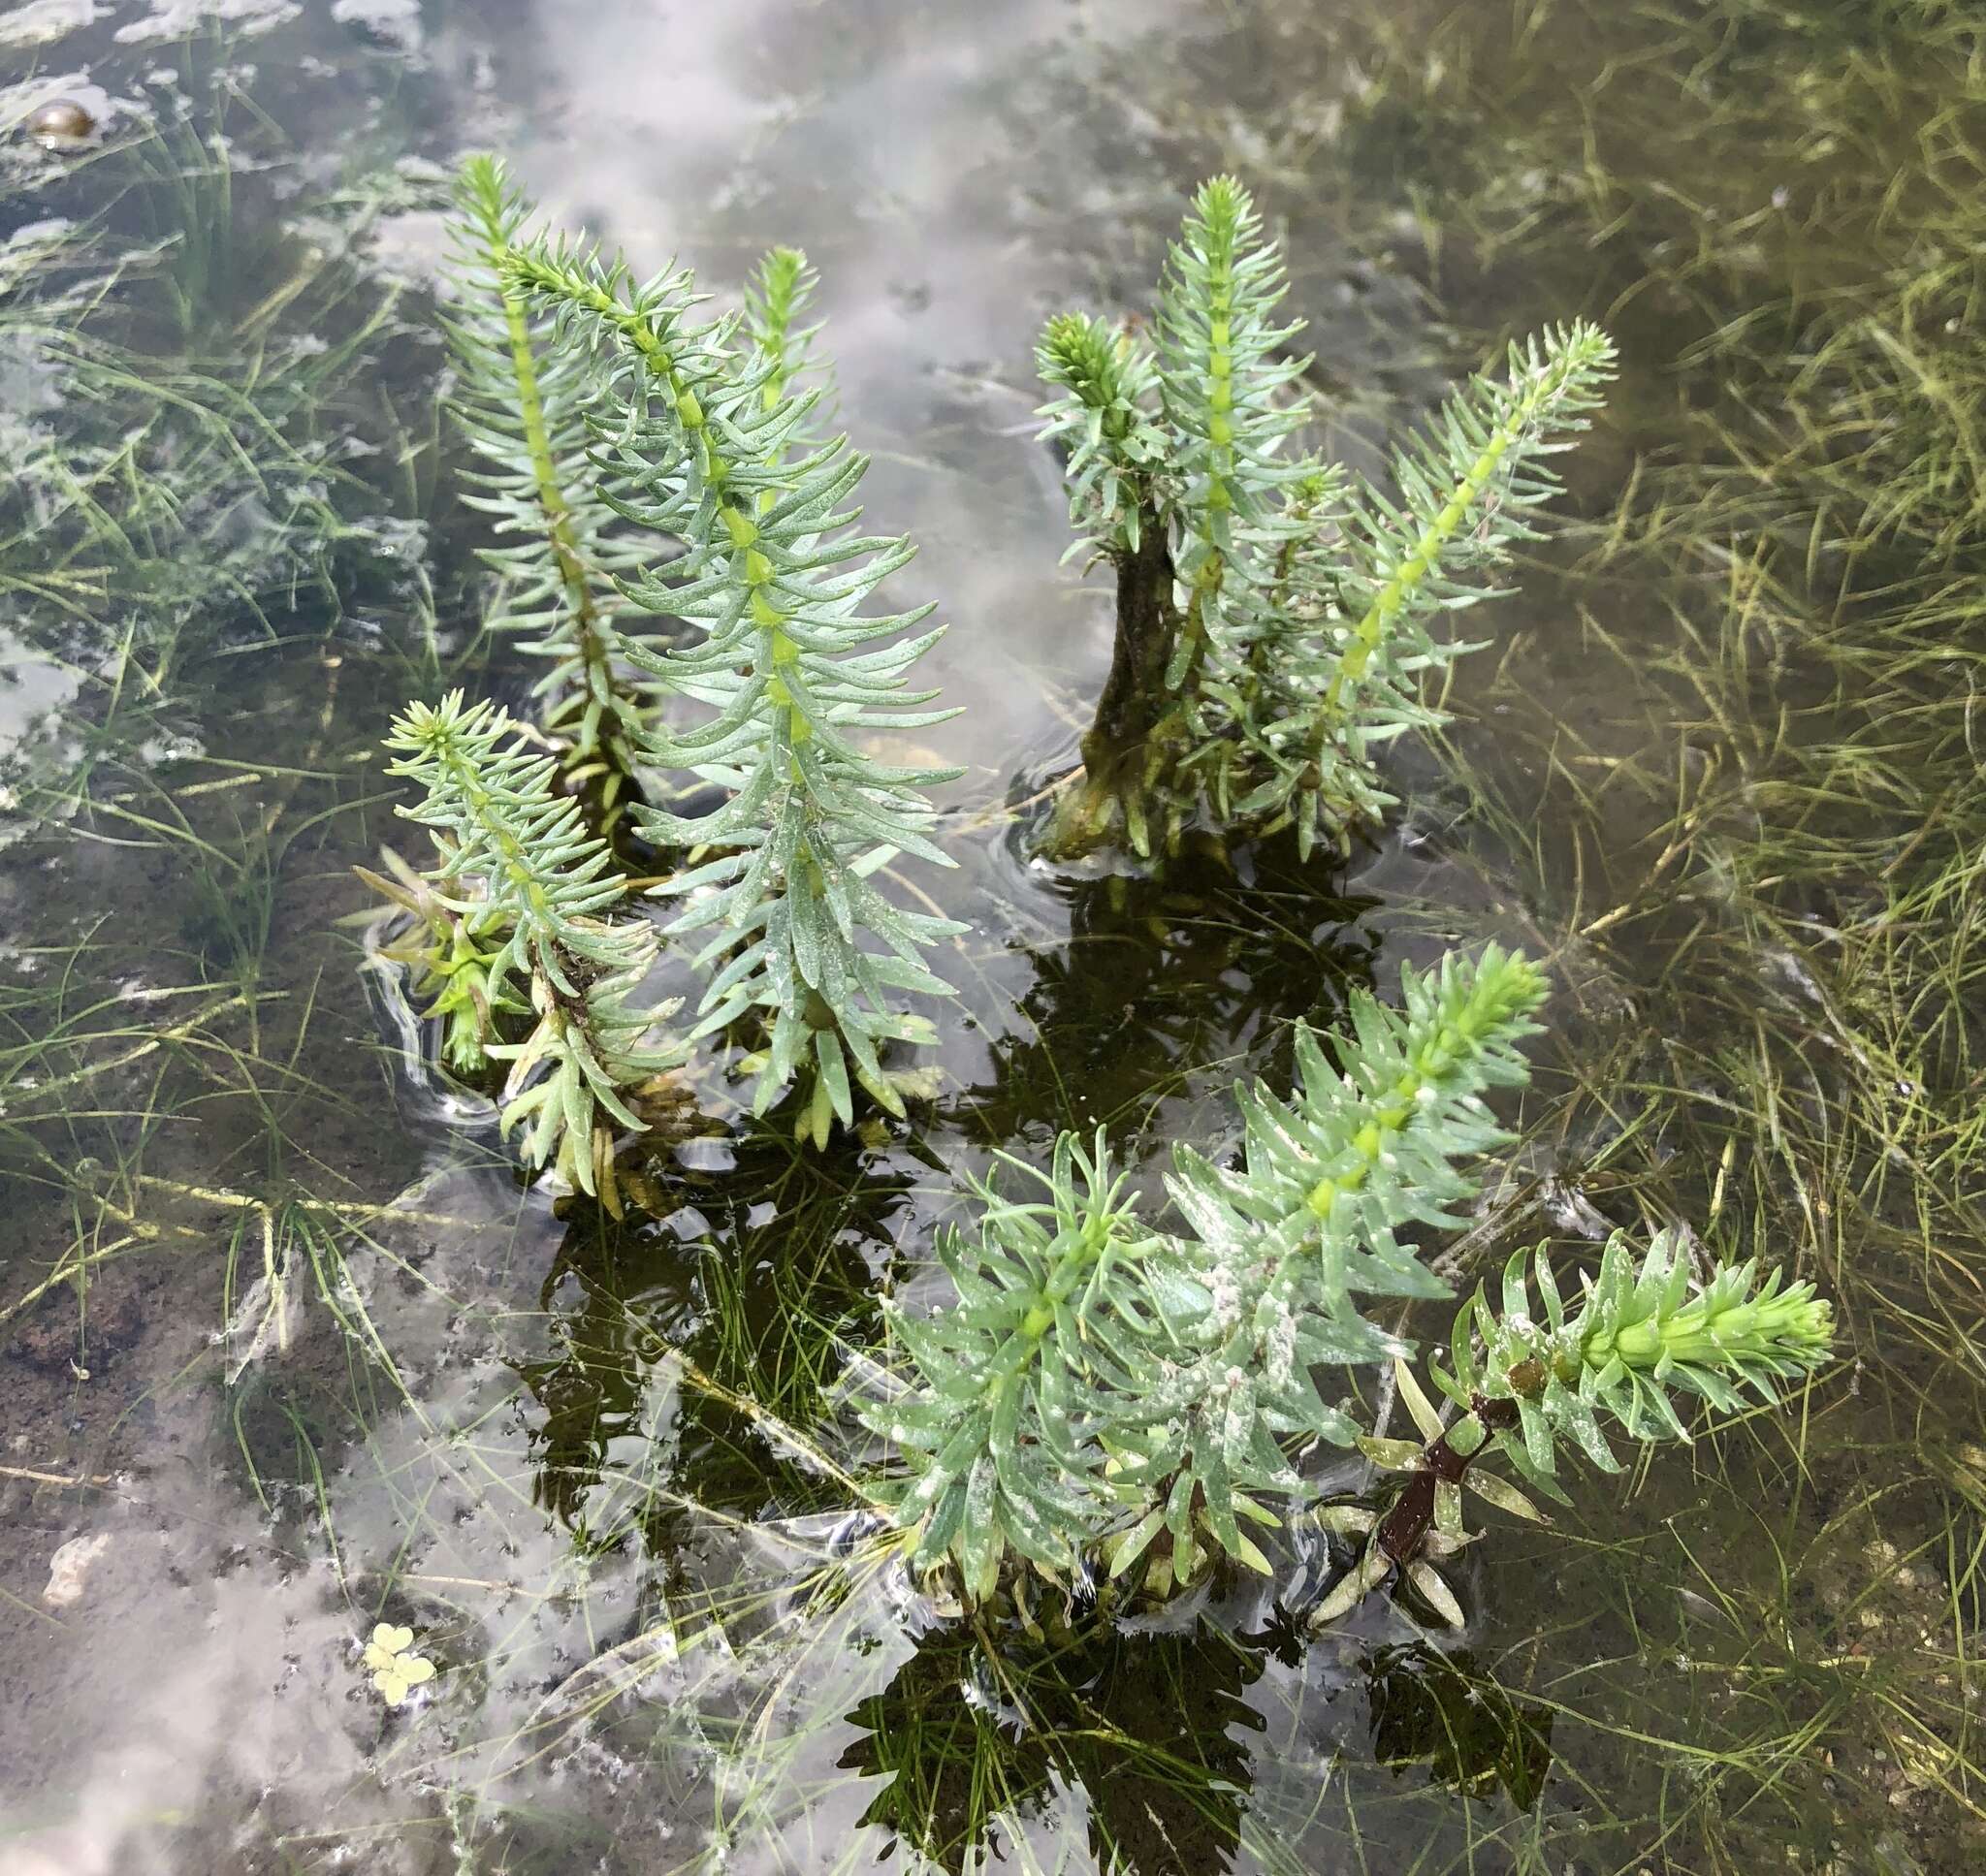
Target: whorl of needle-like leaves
709,442
1521,1382
520,400
779,292
1306,597
1636,1332
1066,1306
1285,1241
503,826
1223,385
1465,490
1331,1174
447,953
1113,446
1105,1389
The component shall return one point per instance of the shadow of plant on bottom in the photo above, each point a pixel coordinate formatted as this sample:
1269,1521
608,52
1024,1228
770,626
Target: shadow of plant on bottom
1110,1408
1152,1729
1146,1747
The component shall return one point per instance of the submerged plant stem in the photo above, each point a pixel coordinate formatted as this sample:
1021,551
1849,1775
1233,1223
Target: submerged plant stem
1124,751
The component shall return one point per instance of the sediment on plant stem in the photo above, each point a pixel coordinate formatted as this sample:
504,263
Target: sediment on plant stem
1132,747
1295,598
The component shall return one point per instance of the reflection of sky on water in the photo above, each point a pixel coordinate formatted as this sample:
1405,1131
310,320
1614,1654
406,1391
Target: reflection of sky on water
30,685
956,173
940,168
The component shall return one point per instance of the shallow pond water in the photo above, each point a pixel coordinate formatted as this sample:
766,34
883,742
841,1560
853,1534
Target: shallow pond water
287,1348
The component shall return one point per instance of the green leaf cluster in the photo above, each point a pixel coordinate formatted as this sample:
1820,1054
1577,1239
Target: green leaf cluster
1303,597
1105,427
1067,1304
1523,1380
1639,1331
520,400
1336,1171
449,949
1105,1389
515,852
1223,378
779,292
1336,668
703,436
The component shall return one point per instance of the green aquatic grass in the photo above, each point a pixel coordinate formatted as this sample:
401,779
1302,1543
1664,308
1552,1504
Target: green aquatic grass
1757,862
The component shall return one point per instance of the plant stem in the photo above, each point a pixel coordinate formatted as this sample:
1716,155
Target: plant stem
1123,752
592,633
1404,1529
746,563
586,616
1372,629
1148,623
551,960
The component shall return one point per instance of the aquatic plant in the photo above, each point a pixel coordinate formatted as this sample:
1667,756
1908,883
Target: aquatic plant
1111,1393
396,1670
520,400
450,949
1273,612
781,289
596,401
176,489
513,852
704,436
1641,1329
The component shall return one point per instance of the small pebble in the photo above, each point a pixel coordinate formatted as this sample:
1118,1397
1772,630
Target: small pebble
61,124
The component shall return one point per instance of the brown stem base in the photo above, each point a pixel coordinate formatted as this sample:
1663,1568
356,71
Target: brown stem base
1132,748
1404,1529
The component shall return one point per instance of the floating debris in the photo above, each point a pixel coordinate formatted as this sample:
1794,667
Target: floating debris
397,1670
70,1566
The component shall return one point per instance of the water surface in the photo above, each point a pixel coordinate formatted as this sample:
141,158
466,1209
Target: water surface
290,1335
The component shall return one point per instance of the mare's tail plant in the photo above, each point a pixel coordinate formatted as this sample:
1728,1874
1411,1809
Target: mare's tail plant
1273,613
448,951
521,402
1520,1385
706,431
516,858
600,406
1108,1395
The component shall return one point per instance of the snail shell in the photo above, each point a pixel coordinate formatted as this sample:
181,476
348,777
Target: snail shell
61,124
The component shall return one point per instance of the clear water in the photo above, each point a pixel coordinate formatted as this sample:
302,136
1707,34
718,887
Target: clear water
287,1333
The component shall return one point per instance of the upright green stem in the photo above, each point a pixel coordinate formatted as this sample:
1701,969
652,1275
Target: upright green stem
1373,628
777,650
588,639
516,863
557,513
1220,370
1431,1064
1210,569
1207,577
